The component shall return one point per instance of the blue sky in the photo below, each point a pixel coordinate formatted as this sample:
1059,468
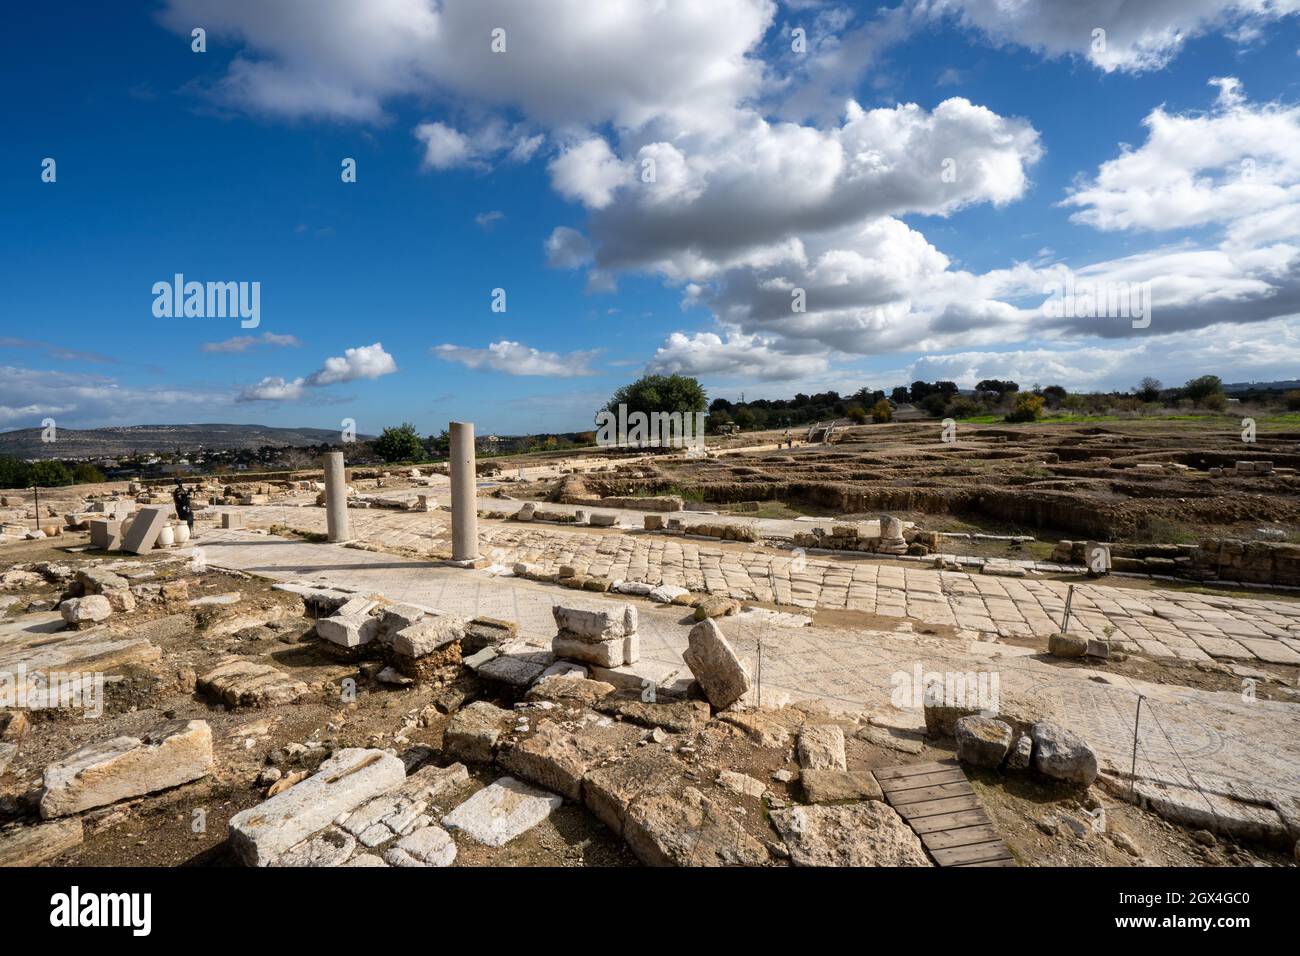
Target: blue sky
518,170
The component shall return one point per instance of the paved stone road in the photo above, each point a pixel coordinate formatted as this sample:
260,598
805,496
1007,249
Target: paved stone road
1158,623
1207,746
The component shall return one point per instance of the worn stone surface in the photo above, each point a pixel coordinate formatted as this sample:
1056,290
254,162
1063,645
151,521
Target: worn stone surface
600,653
428,846
675,716
473,732
839,786
762,728
578,690
1067,645
821,747
240,682
330,847
860,834
1021,753
983,741
517,664
428,635
1062,755
688,829
83,611
107,771
261,834
715,665
608,791
741,784
502,811
558,758
600,625
38,845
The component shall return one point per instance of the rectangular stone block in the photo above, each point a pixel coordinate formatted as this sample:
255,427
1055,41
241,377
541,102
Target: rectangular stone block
232,520
601,625
145,527
261,834
601,653
106,534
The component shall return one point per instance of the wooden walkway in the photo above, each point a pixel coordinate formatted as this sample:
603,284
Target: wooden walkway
938,803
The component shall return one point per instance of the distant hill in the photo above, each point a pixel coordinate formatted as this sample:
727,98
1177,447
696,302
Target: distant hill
115,442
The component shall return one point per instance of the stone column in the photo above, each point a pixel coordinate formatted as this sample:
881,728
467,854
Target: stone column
336,497
464,493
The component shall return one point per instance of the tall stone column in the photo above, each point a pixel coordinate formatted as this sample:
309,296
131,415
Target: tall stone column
336,497
464,493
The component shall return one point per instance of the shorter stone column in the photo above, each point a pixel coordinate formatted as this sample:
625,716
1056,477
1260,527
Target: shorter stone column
464,494
336,497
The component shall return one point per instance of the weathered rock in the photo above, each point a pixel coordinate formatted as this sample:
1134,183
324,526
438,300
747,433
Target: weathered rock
941,719
839,786
1021,753
860,834
882,737
688,829
473,732
38,845
502,811
558,759
427,635
107,771
578,690
484,632
821,747
1062,755
602,625
351,625
608,791
667,593
261,834
600,653
83,611
982,741
517,664
715,606
240,682
675,716
741,784
1067,645
715,665
761,728
429,846
330,847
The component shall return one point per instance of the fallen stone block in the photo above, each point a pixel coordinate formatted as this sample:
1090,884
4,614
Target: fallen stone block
715,665
39,845
715,606
429,846
667,593
821,747
330,847
85,611
558,759
350,626
145,527
839,786
608,791
600,519
1021,754
517,664
983,741
261,834
484,632
1067,645
232,520
240,682
688,829
106,534
473,732
560,688
502,811
674,716
741,784
107,771
1062,755
595,626
860,834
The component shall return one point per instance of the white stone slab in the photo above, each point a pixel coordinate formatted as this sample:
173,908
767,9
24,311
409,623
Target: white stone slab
502,811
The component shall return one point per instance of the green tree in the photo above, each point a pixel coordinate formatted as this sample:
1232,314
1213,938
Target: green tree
14,472
745,417
1200,389
50,474
661,393
857,414
882,411
1028,407
86,474
398,443
1148,390
1291,399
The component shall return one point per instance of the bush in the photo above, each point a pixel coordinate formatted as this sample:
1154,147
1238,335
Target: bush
1028,408
857,414
50,474
399,443
1292,399
86,474
882,412
934,404
963,407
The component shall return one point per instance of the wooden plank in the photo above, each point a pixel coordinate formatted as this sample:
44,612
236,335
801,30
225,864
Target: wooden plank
948,821
922,780
1010,861
979,853
930,808
907,770
960,836
923,794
